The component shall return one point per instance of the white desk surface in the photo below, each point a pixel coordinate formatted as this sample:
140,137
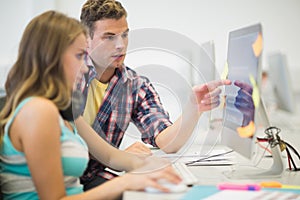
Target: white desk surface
212,175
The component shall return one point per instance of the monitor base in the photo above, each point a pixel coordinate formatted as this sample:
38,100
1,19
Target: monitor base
251,172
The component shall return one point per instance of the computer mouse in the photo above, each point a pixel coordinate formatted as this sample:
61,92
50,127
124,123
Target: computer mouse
173,188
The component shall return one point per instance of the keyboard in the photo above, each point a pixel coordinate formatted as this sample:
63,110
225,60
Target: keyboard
187,176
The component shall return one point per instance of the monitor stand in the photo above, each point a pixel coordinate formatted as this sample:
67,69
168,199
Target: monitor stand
277,168
251,172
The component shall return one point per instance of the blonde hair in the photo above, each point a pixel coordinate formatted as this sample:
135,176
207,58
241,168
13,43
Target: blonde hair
38,70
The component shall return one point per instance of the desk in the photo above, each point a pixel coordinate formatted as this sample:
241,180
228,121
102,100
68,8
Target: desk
212,175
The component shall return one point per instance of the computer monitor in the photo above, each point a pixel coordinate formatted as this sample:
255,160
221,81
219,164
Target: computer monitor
203,71
281,82
240,120
204,68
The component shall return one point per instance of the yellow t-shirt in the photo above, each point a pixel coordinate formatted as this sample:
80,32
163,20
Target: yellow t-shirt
95,97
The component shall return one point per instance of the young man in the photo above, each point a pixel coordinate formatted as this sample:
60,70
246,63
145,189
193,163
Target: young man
116,95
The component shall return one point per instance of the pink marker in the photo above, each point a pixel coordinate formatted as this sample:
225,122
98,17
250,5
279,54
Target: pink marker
235,186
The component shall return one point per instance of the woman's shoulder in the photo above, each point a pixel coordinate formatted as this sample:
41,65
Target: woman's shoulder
40,104
34,115
38,107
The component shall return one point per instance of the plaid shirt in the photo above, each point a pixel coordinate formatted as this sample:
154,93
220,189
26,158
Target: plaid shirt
128,98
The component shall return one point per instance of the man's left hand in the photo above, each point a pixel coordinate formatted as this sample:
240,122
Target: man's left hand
207,96
138,148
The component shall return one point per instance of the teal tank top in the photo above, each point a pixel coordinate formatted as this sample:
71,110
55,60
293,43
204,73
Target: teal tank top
16,182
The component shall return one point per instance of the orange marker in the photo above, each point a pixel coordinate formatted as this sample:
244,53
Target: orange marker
271,184
275,184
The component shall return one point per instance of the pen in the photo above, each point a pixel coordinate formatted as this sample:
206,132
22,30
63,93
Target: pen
234,186
275,184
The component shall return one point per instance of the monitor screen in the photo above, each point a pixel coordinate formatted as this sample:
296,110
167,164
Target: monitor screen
281,82
243,59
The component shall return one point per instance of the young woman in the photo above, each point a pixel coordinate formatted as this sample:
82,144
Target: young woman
43,155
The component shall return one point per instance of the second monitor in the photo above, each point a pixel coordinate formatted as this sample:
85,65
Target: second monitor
281,82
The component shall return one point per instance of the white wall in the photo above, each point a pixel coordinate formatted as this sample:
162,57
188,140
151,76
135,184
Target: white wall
201,20
204,20
14,16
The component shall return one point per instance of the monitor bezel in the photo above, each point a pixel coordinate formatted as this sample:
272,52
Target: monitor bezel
228,137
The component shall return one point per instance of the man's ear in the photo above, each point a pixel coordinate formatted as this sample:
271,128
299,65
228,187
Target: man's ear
89,41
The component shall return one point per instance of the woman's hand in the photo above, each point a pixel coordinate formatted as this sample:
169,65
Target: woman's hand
148,176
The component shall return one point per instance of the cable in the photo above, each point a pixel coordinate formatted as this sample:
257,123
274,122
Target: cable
263,147
206,158
262,156
274,139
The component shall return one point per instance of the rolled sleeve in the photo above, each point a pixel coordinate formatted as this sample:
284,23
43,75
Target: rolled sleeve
149,115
